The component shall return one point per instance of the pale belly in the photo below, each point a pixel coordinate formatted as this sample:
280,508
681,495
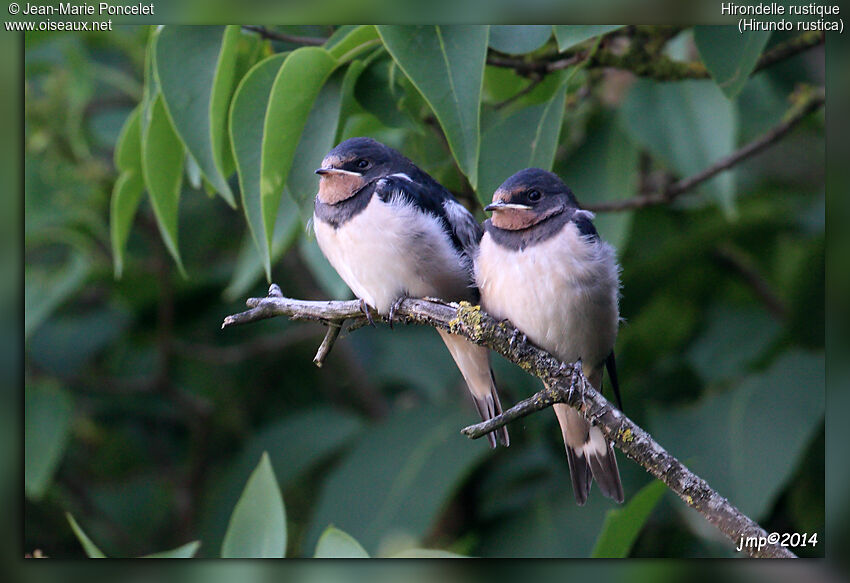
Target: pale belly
386,252
561,293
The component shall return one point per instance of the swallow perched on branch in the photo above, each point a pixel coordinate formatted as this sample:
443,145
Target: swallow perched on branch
391,232
542,265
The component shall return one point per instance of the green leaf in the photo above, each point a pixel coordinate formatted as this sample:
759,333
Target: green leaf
733,338
162,166
728,55
519,39
569,36
748,440
295,89
186,551
295,449
316,140
48,411
195,67
247,116
336,544
353,43
128,148
257,526
401,492
623,525
126,196
527,138
446,65
127,191
249,266
377,92
700,126
88,546
50,288
605,168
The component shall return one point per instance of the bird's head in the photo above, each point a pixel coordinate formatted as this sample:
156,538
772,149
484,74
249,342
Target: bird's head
352,165
529,197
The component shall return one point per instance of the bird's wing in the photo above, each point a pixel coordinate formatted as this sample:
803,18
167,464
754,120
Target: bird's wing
431,198
583,220
464,226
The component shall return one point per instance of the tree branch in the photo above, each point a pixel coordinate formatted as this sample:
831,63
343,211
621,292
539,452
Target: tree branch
264,32
651,64
564,384
795,115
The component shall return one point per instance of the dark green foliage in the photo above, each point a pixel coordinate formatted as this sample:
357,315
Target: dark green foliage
153,428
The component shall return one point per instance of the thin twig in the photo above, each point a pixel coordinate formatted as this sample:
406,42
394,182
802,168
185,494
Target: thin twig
734,259
564,383
331,335
676,189
264,32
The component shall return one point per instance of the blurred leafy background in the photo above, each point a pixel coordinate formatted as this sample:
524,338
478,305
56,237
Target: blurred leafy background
145,421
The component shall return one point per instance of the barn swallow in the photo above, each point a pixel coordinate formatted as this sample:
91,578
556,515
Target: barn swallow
392,232
542,265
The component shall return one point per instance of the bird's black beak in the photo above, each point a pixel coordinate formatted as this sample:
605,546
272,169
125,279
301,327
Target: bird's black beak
323,171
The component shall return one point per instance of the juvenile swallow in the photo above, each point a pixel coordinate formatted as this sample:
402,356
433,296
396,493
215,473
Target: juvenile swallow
392,232
542,265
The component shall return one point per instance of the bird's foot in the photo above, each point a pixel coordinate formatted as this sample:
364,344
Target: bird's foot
576,379
274,291
517,338
394,308
364,307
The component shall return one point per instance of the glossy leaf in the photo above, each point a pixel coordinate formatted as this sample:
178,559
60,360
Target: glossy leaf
293,93
355,42
570,35
623,525
128,188
728,55
527,138
162,166
446,65
605,168
248,269
126,196
258,525
336,544
423,459
48,410
519,39
89,547
700,126
316,140
195,67
247,116
186,551
128,148
744,449
294,447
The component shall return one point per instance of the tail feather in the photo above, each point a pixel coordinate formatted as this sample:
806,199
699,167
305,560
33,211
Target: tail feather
590,456
488,407
474,364
580,474
603,465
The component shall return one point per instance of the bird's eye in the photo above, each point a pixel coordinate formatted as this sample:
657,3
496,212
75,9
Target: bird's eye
362,163
534,195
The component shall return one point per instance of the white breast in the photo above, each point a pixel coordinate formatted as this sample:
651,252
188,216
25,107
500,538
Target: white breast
562,293
392,249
